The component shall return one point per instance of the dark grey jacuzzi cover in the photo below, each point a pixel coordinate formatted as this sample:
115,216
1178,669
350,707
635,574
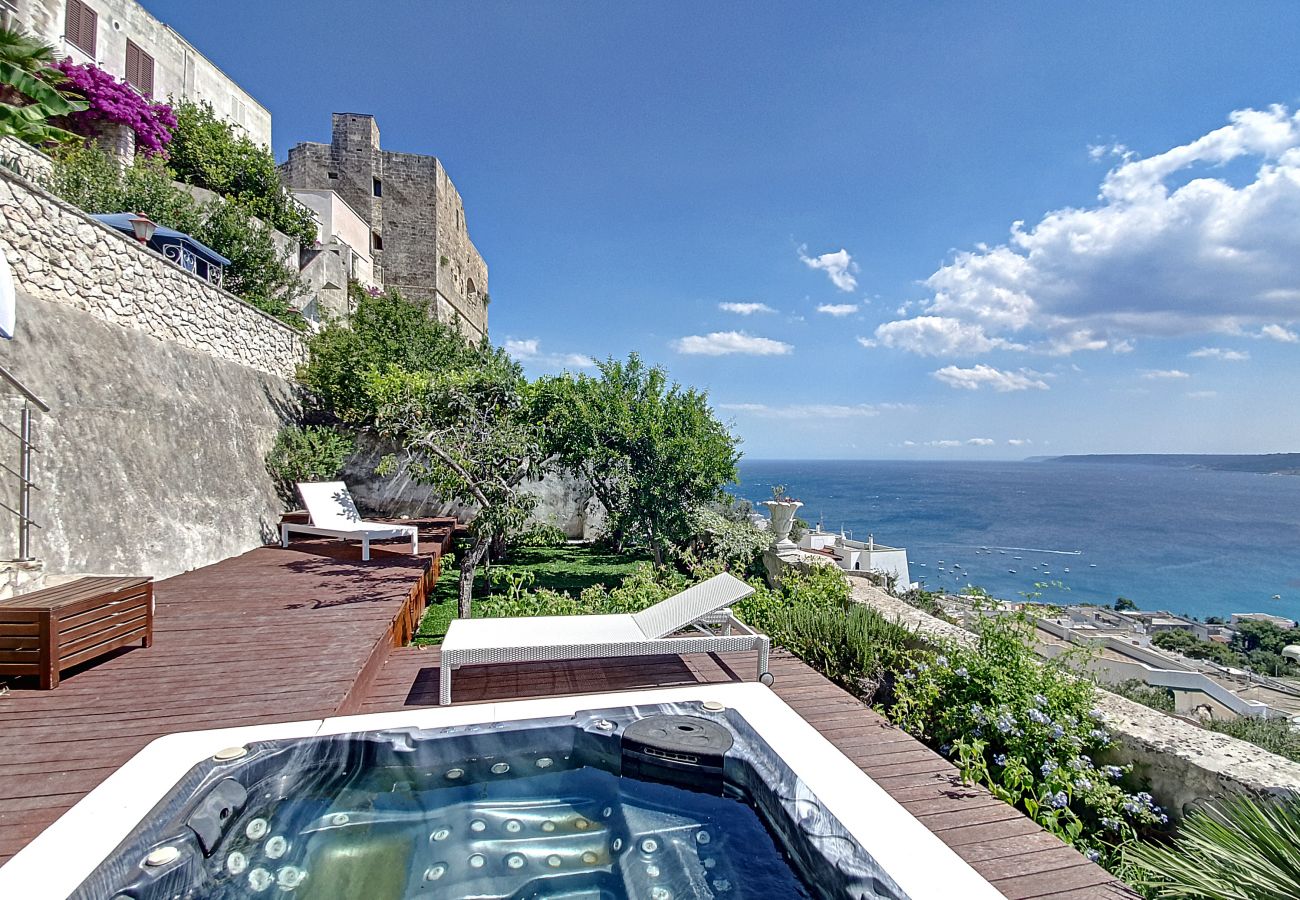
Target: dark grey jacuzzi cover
224,816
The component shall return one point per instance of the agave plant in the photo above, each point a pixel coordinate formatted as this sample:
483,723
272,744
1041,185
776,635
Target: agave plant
1244,849
29,91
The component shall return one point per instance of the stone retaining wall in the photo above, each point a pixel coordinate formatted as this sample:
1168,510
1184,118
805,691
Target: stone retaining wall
24,160
1184,765
59,254
165,394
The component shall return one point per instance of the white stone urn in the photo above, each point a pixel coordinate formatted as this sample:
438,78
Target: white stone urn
782,513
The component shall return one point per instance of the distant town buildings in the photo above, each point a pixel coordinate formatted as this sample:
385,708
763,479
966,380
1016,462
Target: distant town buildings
124,39
416,239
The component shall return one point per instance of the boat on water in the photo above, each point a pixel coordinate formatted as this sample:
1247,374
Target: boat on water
1067,568
1092,565
1012,571
1017,557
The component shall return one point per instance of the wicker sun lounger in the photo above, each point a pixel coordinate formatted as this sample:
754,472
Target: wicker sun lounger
334,514
653,631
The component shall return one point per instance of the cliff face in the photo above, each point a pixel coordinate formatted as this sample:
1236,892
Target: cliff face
563,501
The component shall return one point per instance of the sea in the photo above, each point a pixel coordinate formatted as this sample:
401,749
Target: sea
1192,541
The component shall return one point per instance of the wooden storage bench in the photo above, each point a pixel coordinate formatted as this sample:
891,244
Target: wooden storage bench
47,631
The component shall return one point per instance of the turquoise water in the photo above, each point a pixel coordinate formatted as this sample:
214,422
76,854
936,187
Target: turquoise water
1192,541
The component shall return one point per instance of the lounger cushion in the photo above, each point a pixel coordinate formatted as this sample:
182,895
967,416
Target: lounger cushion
540,631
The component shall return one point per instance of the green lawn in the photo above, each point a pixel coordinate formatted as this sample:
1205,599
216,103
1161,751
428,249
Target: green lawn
569,569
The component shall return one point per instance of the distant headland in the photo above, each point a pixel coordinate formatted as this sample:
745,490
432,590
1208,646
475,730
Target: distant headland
1260,463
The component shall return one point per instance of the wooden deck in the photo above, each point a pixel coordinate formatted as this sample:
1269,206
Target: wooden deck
1008,849
277,635
269,636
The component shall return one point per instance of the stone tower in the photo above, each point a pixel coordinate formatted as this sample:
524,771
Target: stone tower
418,237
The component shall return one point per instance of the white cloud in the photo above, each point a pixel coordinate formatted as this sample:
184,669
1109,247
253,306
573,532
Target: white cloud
808,410
530,351
1220,353
1279,333
1167,249
1202,395
1019,442
981,442
723,343
986,376
943,443
838,309
1164,374
938,336
838,266
745,309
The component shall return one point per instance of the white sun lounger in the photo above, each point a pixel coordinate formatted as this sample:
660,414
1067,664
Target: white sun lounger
650,632
334,514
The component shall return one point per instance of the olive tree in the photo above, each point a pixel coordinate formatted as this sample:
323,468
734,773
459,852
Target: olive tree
652,450
470,433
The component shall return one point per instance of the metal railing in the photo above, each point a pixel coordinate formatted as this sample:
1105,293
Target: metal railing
24,472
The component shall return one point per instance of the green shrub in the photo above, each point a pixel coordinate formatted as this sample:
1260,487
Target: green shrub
208,152
926,602
819,587
733,541
1274,735
1025,730
259,271
1242,849
1148,695
90,179
854,648
308,453
384,332
540,534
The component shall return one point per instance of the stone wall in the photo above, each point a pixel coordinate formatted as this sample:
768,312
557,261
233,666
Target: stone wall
59,254
165,395
152,453
563,501
24,160
415,214
1184,765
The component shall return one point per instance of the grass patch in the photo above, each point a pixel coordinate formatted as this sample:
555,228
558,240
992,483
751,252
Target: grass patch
570,569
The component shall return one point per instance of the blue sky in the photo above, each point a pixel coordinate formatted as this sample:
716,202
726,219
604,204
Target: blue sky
856,169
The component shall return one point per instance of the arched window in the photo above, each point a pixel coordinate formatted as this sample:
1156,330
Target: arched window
470,290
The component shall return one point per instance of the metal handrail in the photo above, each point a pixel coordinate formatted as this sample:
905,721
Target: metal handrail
23,389
24,474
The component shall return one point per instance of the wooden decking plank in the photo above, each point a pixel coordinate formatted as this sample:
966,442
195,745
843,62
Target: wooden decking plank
269,636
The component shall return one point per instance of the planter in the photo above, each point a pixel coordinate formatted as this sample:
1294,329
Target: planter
782,513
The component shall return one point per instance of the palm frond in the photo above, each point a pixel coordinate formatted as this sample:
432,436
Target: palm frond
1242,849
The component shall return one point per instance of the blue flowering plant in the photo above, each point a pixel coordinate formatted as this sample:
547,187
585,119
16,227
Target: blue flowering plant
1024,729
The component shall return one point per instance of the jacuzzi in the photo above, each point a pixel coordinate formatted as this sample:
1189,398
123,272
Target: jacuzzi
717,791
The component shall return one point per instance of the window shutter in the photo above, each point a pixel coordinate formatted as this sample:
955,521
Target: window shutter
139,69
80,26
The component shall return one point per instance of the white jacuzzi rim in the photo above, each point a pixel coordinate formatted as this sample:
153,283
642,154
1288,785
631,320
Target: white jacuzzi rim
919,862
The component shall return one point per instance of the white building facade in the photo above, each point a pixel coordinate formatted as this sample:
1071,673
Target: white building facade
337,223
124,39
861,556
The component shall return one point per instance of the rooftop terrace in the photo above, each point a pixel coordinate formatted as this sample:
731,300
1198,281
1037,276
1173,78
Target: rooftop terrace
312,631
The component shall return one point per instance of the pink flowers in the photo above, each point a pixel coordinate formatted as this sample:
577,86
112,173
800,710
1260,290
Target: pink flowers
116,102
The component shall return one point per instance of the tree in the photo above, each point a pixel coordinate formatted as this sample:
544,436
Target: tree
1251,635
385,331
1123,604
31,92
651,449
471,434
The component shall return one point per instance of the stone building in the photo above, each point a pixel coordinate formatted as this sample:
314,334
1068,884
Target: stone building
419,243
125,40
